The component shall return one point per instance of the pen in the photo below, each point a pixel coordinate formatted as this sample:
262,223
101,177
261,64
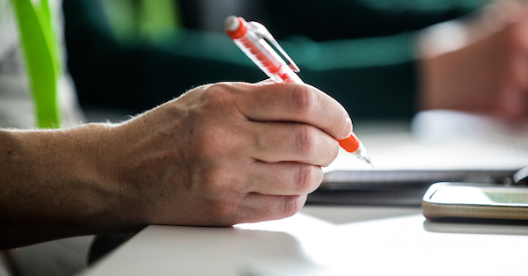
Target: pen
251,38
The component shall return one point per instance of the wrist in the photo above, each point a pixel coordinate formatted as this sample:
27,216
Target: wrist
59,181
101,157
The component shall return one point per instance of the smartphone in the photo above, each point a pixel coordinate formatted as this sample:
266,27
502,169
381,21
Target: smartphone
475,201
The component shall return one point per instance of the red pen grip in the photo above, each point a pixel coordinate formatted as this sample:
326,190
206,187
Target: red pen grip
350,144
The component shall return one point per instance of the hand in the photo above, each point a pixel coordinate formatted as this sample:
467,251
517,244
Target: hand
480,65
225,153
218,155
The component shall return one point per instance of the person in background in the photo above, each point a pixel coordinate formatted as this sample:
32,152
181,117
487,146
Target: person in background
478,64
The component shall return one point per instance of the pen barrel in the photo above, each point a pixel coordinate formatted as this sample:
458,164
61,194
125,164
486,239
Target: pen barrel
287,75
266,58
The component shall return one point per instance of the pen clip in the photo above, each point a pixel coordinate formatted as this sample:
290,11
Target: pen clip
263,33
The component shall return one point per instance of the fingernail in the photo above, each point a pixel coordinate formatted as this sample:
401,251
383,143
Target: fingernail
348,128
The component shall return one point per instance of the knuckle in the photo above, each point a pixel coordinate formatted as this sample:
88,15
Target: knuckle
291,205
304,100
306,140
218,182
329,152
220,87
213,141
224,213
307,178
218,94
513,36
223,200
203,143
332,155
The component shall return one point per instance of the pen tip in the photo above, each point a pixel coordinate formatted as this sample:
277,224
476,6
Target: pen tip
362,154
366,158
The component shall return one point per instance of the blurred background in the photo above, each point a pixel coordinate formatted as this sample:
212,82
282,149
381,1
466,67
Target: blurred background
131,55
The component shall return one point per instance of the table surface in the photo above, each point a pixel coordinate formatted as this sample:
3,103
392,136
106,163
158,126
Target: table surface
325,241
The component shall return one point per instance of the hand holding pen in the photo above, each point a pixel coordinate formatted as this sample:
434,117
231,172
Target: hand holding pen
215,156
251,38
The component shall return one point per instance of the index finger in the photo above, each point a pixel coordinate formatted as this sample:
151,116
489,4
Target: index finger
295,103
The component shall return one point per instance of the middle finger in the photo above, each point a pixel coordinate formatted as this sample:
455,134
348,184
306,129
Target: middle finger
279,142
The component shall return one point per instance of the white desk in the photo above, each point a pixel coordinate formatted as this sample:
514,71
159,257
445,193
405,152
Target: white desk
325,241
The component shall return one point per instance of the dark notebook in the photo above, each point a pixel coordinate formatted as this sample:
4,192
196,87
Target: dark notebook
394,187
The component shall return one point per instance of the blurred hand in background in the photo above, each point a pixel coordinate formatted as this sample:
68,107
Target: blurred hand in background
479,63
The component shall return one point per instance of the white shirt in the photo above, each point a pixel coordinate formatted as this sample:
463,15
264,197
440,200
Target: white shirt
16,103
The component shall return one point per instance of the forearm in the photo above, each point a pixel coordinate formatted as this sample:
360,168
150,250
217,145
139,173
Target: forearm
52,185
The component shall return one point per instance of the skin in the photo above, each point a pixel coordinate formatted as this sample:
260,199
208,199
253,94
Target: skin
218,155
488,73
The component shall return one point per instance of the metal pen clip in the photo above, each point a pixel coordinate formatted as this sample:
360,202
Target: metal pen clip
263,33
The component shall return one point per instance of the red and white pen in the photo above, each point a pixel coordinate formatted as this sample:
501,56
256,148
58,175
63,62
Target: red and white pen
251,38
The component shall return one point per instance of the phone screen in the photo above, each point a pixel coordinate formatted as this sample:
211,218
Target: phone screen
481,195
